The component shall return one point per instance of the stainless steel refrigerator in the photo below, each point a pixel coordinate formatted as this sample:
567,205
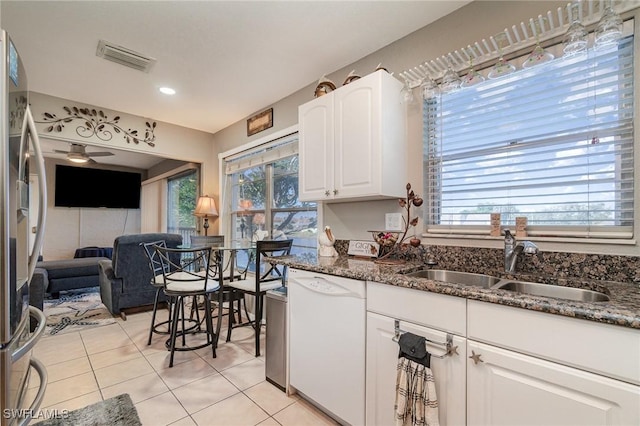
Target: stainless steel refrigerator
17,259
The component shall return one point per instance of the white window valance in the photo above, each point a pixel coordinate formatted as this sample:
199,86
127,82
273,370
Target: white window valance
269,152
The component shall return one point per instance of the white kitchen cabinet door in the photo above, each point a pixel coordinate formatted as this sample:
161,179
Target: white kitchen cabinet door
509,388
357,139
586,345
353,143
316,140
382,360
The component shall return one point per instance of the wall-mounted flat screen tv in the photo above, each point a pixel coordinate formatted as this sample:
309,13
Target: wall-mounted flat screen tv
85,187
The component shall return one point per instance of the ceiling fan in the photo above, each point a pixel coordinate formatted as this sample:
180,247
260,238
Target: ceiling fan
78,154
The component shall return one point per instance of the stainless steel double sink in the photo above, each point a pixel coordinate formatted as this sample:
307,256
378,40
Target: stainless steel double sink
491,282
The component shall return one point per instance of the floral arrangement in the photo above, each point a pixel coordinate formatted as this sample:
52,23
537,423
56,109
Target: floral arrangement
389,240
386,240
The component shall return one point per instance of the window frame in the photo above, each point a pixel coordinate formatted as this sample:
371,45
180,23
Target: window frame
227,212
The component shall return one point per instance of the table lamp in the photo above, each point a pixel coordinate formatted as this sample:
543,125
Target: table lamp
206,208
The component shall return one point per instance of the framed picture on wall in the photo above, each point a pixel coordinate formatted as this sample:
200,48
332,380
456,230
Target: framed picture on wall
260,122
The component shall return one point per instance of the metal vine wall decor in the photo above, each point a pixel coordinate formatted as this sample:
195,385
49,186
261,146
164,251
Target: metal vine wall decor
96,123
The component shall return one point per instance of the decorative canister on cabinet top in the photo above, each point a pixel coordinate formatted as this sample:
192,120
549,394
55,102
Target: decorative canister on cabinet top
351,77
324,86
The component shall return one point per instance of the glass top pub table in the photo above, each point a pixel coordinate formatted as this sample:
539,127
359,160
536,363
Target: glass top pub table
232,260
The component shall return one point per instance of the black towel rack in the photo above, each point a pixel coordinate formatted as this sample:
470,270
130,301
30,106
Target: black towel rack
448,346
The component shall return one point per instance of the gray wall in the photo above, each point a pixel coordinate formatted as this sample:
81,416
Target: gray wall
471,23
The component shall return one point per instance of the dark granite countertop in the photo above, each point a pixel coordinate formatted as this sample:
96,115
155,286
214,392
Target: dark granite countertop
622,309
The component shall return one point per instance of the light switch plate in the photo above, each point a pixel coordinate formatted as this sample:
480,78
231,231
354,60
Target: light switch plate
393,222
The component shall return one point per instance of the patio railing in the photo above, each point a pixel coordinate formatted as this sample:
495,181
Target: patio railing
186,232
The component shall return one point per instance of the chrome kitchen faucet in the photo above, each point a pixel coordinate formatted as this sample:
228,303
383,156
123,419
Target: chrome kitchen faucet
513,248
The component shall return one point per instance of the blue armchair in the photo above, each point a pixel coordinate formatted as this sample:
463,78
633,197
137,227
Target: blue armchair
125,279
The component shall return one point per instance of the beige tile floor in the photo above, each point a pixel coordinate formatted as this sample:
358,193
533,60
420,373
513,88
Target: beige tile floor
96,364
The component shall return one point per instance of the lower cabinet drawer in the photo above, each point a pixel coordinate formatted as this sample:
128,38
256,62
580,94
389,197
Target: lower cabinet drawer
446,313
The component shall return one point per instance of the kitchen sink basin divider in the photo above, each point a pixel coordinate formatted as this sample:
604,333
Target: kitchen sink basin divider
448,346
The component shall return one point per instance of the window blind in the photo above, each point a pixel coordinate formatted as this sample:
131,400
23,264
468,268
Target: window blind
263,154
553,143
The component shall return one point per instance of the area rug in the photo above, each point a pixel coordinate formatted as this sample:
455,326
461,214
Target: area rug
116,411
76,310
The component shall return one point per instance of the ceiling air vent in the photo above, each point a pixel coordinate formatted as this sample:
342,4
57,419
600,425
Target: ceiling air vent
123,56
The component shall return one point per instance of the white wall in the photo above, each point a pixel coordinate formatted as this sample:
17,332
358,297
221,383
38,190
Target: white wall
477,20
69,228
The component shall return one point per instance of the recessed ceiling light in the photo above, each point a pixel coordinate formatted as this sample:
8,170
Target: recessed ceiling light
167,91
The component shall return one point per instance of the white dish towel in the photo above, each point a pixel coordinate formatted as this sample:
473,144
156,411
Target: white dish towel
416,400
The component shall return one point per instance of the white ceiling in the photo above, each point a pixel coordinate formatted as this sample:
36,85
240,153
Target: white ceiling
226,59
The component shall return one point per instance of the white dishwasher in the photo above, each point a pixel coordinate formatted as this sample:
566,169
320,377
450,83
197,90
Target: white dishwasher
327,319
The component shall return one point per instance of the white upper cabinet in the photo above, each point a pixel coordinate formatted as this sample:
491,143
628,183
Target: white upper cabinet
353,143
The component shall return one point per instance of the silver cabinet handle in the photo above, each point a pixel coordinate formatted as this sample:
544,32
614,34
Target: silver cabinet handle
335,192
326,193
475,357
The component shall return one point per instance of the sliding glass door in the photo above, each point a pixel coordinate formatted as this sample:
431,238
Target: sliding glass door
182,195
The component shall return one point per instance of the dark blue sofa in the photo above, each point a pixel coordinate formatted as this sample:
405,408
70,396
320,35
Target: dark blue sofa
67,274
125,280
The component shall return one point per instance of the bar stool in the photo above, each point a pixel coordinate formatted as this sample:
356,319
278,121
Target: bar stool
266,277
157,281
185,273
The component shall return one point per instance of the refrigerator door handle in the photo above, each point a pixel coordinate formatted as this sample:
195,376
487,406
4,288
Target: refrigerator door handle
35,405
34,337
30,125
